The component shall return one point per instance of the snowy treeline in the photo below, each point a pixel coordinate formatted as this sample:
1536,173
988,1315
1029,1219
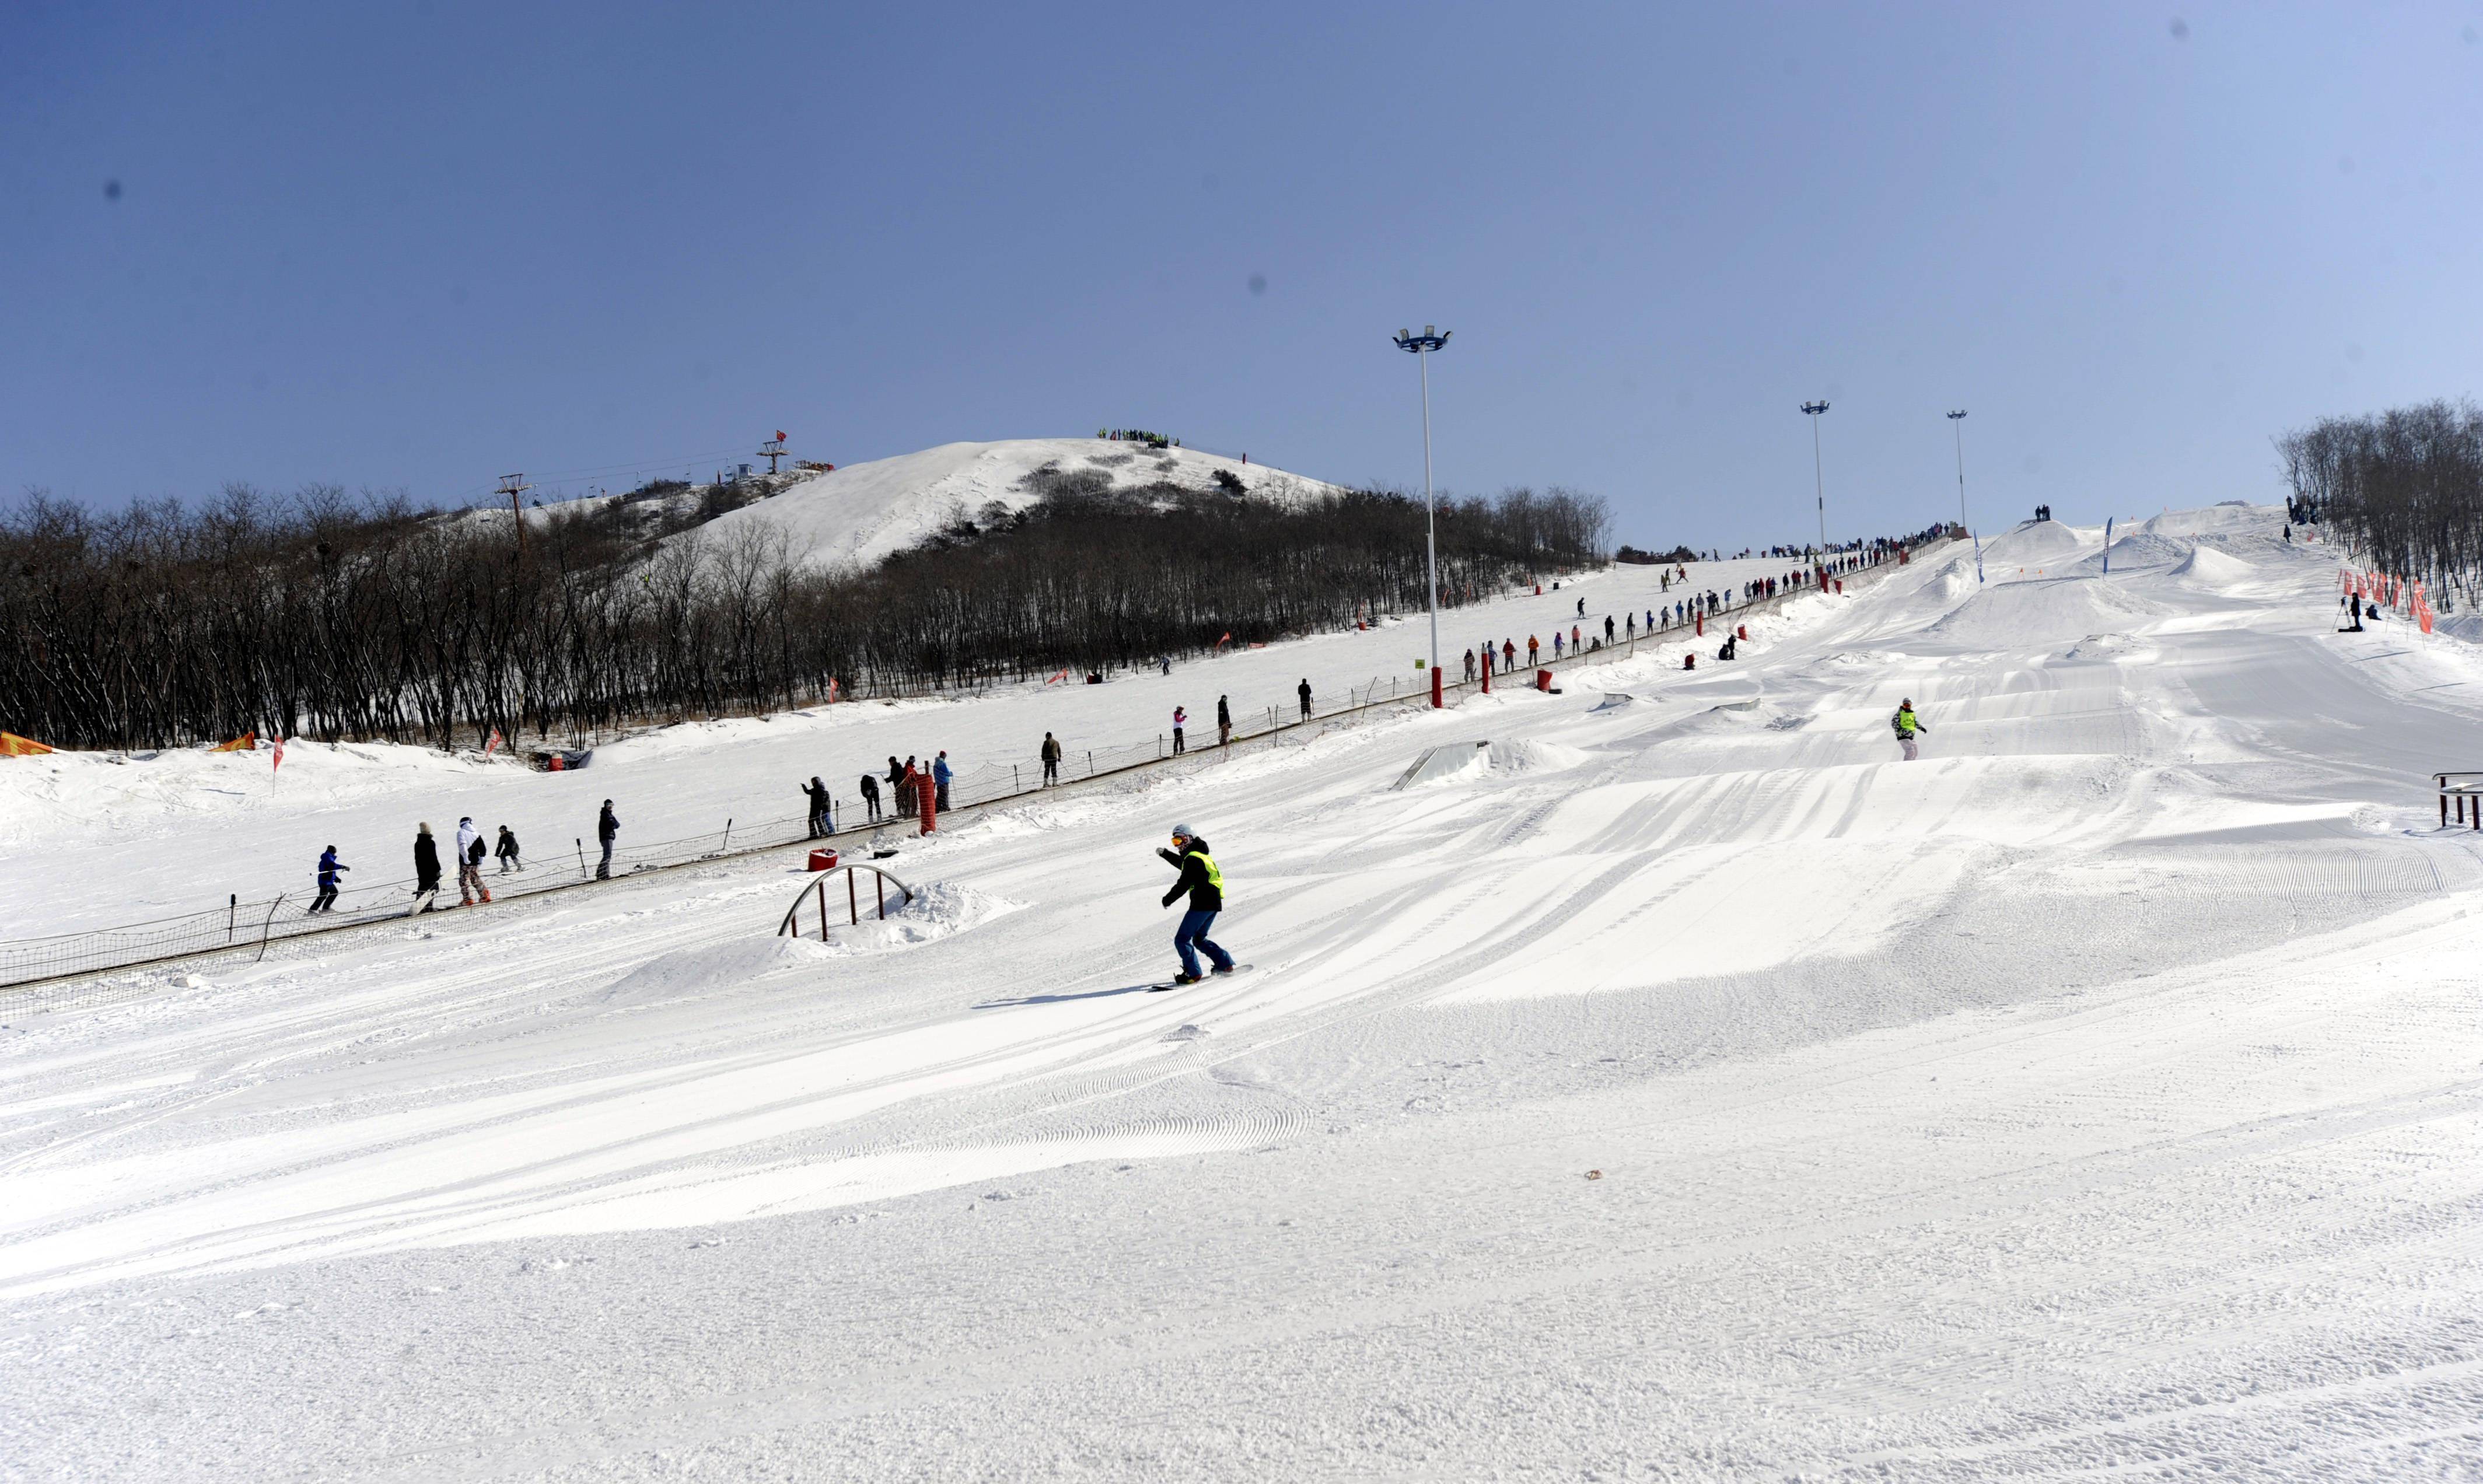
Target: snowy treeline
2404,489
314,615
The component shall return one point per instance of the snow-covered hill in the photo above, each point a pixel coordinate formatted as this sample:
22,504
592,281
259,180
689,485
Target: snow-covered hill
1685,1089
863,512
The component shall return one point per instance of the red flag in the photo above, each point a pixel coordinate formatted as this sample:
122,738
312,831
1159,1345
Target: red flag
1052,680
1227,639
279,754
779,434
13,745
491,744
248,741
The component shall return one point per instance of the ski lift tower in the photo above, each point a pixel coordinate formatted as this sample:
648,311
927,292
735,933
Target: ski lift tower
512,486
773,450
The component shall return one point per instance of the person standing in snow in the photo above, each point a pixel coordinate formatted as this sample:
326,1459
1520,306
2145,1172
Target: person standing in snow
507,851
817,794
1205,882
426,862
939,775
897,785
1906,724
1507,655
607,829
1223,721
1470,665
470,864
1533,651
1303,691
1050,759
328,869
1179,716
870,796
909,789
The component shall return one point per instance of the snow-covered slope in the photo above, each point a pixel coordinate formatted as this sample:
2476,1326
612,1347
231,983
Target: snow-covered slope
1687,1089
862,512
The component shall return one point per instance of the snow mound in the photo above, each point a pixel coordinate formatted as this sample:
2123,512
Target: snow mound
2041,613
863,512
2217,519
2037,540
1614,700
2138,551
936,911
1534,757
2209,568
692,972
2102,647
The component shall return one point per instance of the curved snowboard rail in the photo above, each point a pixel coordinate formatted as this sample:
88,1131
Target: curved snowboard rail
817,886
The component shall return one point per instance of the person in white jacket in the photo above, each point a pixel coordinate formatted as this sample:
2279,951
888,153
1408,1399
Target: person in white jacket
470,851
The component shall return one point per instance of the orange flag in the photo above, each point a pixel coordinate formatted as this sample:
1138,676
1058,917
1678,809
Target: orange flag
13,745
240,744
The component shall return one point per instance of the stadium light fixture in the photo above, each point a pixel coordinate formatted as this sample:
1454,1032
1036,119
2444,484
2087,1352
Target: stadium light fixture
1819,478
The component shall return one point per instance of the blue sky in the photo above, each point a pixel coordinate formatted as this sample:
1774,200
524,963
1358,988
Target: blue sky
421,245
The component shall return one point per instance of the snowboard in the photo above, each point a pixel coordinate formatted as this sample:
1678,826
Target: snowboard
1238,969
422,903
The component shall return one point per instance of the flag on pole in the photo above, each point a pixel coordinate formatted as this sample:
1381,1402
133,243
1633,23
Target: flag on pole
1227,639
491,743
248,741
279,754
1056,678
779,434
13,745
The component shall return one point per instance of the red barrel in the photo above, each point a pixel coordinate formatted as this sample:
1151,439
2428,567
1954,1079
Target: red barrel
823,860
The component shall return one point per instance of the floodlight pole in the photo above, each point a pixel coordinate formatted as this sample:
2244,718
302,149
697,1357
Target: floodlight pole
1957,421
1819,478
1430,339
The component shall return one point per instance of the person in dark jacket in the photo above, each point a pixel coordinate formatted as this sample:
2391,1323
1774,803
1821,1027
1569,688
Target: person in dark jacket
1201,878
870,796
1303,690
507,851
1050,759
1223,721
607,829
896,780
426,862
818,792
329,866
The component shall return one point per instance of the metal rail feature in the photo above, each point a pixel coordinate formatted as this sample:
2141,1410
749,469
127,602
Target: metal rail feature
791,926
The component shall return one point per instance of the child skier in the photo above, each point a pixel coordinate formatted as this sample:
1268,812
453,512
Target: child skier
508,851
329,866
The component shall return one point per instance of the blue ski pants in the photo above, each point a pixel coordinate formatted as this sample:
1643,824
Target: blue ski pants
1193,931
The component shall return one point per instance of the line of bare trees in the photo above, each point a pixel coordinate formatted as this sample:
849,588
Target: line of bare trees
2403,488
320,615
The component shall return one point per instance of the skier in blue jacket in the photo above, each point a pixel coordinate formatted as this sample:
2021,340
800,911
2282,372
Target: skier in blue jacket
329,866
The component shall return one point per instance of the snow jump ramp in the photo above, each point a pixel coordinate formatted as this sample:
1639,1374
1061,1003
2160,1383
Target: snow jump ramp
1439,762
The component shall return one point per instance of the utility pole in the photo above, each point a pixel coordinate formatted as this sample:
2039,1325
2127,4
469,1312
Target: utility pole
512,486
772,451
1819,479
1422,346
